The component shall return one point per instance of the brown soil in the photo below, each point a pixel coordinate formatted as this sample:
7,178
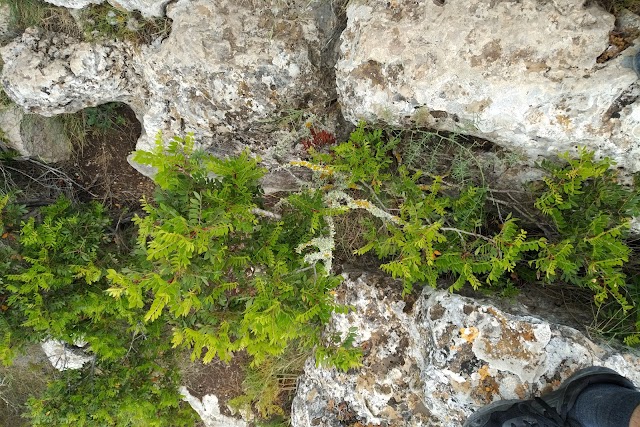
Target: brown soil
101,164
224,380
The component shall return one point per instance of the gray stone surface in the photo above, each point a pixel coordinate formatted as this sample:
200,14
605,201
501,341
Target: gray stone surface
35,136
148,8
208,409
74,4
51,74
63,357
521,74
433,363
226,68
44,138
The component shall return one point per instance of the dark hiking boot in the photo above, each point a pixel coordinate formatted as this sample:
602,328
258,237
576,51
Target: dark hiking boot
550,410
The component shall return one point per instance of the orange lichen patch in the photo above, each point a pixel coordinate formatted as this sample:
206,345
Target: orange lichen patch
484,372
486,389
511,340
564,121
469,334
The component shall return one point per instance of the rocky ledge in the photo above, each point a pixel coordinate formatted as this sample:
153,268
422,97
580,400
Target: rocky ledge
433,362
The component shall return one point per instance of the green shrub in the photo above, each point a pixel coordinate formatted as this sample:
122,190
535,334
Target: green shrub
215,271
52,285
225,274
427,229
427,232
56,286
139,390
592,214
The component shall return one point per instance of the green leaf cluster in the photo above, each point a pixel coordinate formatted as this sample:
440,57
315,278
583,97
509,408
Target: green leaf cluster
217,269
223,276
136,391
54,281
53,287
365,158
212,271
592,214
436,232
431,229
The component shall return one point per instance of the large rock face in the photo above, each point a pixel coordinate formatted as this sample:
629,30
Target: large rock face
148,8
433,363
225,69
521,74
51,74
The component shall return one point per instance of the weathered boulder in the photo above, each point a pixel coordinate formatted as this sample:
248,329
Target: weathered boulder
51,74
521,74
433,363
35,136
148,8
226,68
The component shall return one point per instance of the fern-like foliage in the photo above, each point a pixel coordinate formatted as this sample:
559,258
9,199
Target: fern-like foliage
432,229
592,213
223,277
433,232
55,286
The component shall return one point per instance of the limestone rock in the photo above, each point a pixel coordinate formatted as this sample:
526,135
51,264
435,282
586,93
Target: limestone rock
433,363
227,67
63,356
74,4
10,119
35,136
521,74
50,74
209,410
148,8
44,138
